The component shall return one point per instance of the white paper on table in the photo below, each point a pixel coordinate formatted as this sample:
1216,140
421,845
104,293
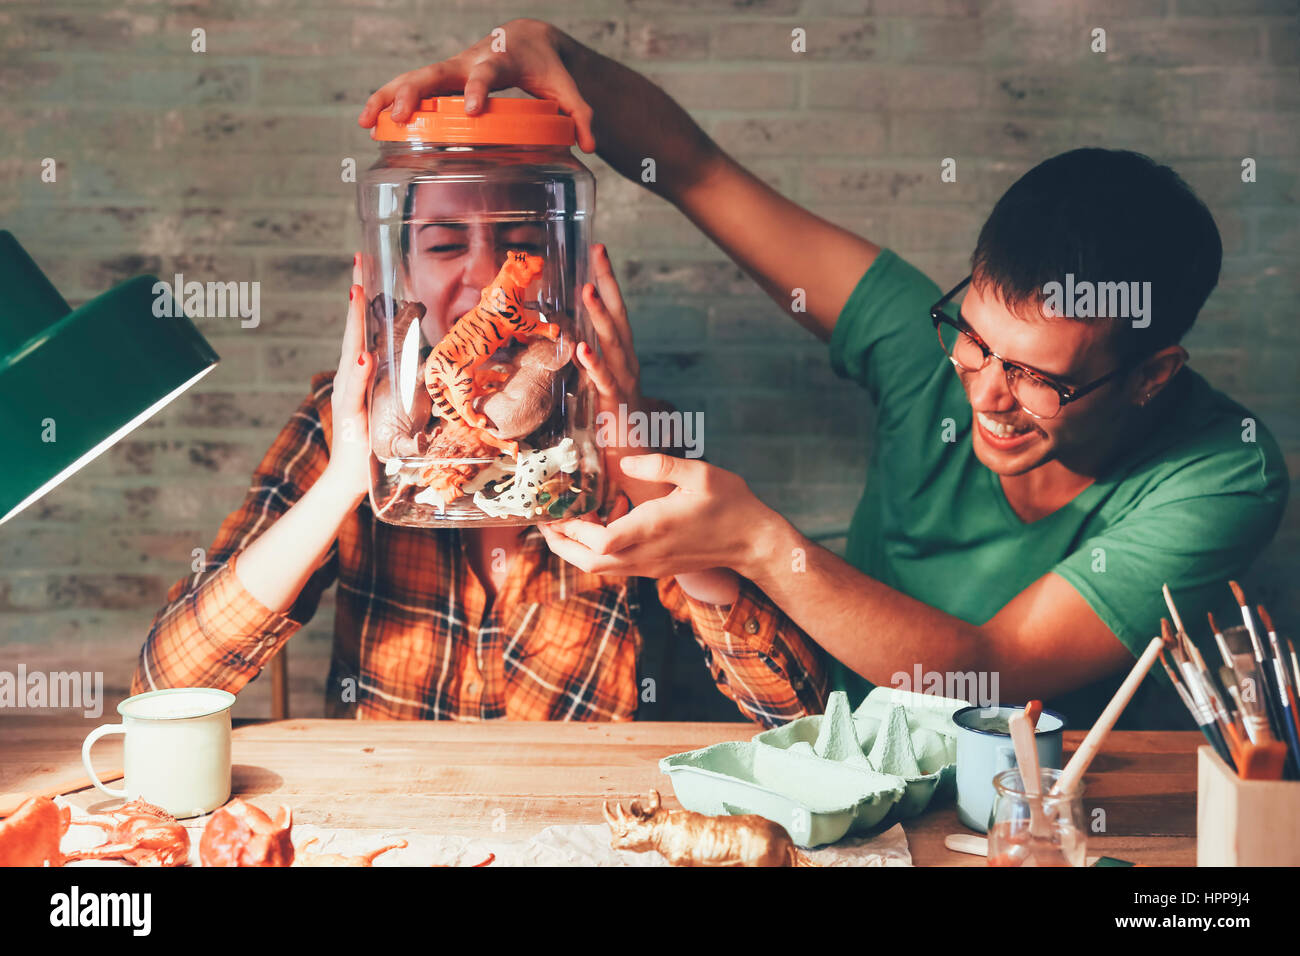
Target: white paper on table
568,845
589,846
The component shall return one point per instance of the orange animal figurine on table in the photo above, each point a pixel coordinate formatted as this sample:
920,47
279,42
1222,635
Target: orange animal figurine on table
140,833
240,834
686,838
31,835
303,858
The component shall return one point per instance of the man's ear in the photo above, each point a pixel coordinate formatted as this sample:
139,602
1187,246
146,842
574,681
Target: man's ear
1155,372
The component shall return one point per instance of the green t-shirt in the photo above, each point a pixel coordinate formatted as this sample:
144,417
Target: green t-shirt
1191,506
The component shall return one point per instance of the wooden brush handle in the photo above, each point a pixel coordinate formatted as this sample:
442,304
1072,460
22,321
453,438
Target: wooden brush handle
979,846
1078,765
1033,710
967,843
1022,737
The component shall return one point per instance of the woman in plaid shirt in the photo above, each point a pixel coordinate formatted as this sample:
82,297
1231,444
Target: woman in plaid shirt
463,624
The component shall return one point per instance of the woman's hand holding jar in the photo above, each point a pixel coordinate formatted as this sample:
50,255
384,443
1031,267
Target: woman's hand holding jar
349,467
615,375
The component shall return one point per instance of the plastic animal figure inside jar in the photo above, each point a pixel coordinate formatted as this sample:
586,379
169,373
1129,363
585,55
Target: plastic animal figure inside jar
457,373
452,373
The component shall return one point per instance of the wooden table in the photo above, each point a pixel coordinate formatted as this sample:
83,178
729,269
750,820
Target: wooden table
458,778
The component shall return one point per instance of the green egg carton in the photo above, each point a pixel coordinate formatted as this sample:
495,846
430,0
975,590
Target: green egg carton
896,732
826,775
817,801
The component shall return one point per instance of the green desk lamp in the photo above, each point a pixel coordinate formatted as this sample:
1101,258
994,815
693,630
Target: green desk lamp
75,381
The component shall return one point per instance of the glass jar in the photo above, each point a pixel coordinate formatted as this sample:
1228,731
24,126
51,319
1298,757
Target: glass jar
475,239
1062,837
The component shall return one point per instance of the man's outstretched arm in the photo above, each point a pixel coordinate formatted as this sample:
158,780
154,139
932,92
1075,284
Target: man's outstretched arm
1047,640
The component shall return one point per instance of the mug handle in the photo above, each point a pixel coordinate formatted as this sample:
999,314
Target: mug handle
100,731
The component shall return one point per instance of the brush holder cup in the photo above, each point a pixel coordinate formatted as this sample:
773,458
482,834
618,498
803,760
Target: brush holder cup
475,238
1244,822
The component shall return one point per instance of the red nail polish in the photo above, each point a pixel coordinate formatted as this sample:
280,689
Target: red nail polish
361,359
352,293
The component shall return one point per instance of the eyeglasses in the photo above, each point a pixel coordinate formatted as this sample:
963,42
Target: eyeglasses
1038,393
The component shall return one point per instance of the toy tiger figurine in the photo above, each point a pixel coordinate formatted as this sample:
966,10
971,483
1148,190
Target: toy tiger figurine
452,374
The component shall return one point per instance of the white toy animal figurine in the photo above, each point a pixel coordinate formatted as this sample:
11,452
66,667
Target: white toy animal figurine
533,470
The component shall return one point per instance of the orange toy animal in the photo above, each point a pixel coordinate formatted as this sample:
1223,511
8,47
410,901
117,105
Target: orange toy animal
31,835
303,858
454,446
451,372
139,832
240,834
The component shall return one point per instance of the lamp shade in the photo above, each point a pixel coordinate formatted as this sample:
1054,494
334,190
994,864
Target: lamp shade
75,381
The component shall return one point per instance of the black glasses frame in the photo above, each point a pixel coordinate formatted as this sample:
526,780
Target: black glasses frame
1066,393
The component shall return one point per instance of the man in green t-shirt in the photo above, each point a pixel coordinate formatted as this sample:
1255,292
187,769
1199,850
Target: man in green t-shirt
1043,460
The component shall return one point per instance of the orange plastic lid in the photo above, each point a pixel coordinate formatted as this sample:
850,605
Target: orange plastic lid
504,121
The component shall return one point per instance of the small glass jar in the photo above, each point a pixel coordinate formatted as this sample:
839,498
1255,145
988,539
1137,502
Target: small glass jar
475,237
1062,839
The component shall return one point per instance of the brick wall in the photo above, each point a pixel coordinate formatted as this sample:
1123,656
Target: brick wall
225,166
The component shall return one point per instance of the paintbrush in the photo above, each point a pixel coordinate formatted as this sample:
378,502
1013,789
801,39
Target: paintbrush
1286,690
1202,710
1284,675
1178,683
1240,596
1229,681
1184,640
1215,700
1201,686
979,846
1033,710
1213,692
1232,737
1249,681
1271,698
1087,750
1022,738
1173,611
1295,664
1192,704
1220,642
1172,645
1263,757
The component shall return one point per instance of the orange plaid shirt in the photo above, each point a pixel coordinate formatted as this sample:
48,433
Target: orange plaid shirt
412,639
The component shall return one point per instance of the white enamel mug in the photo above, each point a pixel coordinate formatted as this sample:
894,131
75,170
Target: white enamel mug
177,749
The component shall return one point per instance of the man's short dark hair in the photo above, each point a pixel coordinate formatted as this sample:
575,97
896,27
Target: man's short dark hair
1104,215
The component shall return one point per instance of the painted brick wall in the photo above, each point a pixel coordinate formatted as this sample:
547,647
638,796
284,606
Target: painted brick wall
225,166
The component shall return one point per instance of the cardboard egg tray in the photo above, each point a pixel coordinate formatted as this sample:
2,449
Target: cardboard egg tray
830,774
